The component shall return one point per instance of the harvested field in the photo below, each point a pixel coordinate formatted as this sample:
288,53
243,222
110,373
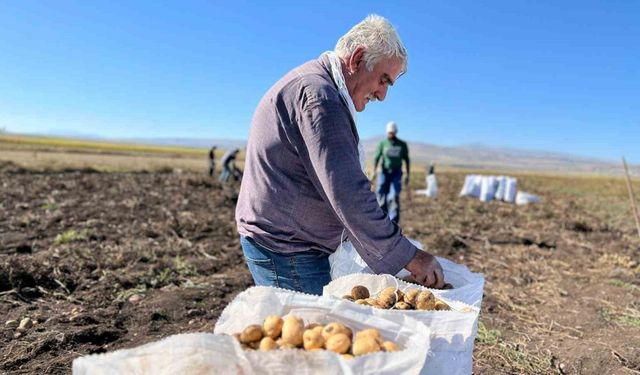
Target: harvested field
102,261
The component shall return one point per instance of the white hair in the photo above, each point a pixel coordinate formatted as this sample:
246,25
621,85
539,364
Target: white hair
378,37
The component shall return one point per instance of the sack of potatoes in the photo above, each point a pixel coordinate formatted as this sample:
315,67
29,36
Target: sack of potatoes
281,331
394,298
291,332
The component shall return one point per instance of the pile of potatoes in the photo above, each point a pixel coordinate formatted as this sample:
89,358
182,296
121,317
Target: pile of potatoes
392,298
290,333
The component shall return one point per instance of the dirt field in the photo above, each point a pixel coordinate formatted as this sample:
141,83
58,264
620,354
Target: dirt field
101,261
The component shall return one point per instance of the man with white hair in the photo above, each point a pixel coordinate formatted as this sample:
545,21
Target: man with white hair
392,151
304,188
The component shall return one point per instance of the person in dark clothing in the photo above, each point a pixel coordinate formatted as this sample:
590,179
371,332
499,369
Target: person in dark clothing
212,161
229,166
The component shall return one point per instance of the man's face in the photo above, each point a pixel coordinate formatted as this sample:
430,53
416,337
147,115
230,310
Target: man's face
373,85
391,135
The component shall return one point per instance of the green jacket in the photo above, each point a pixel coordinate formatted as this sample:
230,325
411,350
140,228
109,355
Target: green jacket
392,152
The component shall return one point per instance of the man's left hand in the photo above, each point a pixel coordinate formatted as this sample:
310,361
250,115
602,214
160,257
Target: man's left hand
406,180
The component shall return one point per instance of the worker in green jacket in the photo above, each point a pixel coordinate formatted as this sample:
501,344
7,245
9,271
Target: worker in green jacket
392,151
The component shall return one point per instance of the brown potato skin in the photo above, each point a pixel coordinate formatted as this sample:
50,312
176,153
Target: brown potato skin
267,343
252,333
411,295
338,343
272,326
403,306
365,345
389,346
312,339
441,306
334,328
292,331
359,292
425,300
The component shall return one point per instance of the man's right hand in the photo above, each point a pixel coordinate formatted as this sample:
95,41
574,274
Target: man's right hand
426,270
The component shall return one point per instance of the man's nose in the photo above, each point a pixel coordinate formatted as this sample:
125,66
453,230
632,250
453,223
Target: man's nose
382,93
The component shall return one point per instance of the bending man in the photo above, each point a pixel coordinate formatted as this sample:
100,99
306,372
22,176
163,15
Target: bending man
304,185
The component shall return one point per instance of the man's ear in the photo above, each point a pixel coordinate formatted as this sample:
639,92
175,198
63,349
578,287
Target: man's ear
357,59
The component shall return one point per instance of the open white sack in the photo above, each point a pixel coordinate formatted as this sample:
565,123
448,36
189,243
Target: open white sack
255,304
192,353
467,286
453,332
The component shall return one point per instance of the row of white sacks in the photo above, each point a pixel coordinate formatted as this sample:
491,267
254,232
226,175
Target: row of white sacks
501,188
432,342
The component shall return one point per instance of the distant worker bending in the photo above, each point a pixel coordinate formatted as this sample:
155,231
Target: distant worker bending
229,166
392,151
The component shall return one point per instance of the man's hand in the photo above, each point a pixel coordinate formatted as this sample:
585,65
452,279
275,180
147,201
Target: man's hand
406,180
426,270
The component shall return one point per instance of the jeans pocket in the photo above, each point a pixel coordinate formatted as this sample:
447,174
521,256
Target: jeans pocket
262,267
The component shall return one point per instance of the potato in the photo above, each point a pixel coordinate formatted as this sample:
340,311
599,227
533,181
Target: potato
365,345
252,333
237,336
334,328
312,326
359,292
362,302
425,300
267,343
338,343
439,305
370,332
389,346
254,345
403,306
388,290
272,326
348,297
312,339
288,346
411,295
386,301
371,301
347,356
292,331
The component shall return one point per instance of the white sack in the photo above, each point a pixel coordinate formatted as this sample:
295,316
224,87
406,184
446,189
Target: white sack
487,188
510,189
453,332
432,186
471,186
501,182
526,198
192,353
468,286
255,304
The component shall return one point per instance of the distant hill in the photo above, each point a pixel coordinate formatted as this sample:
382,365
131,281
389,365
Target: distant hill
505,159
473,156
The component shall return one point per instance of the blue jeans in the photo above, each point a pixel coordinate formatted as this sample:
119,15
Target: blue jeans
306,272
388,192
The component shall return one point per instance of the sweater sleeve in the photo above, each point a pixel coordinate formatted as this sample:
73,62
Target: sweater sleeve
328,150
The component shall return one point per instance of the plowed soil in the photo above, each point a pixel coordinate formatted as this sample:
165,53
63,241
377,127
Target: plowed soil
101,261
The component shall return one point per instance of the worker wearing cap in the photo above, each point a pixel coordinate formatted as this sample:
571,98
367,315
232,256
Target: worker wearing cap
392,151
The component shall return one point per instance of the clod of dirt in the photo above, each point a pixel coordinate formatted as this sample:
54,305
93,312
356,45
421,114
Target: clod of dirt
580,226
25,324
24,249
12,323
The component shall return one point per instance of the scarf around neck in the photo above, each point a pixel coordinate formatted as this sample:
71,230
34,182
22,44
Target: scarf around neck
338,78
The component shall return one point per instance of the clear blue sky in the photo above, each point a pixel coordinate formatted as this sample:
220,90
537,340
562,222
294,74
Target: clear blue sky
548,75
